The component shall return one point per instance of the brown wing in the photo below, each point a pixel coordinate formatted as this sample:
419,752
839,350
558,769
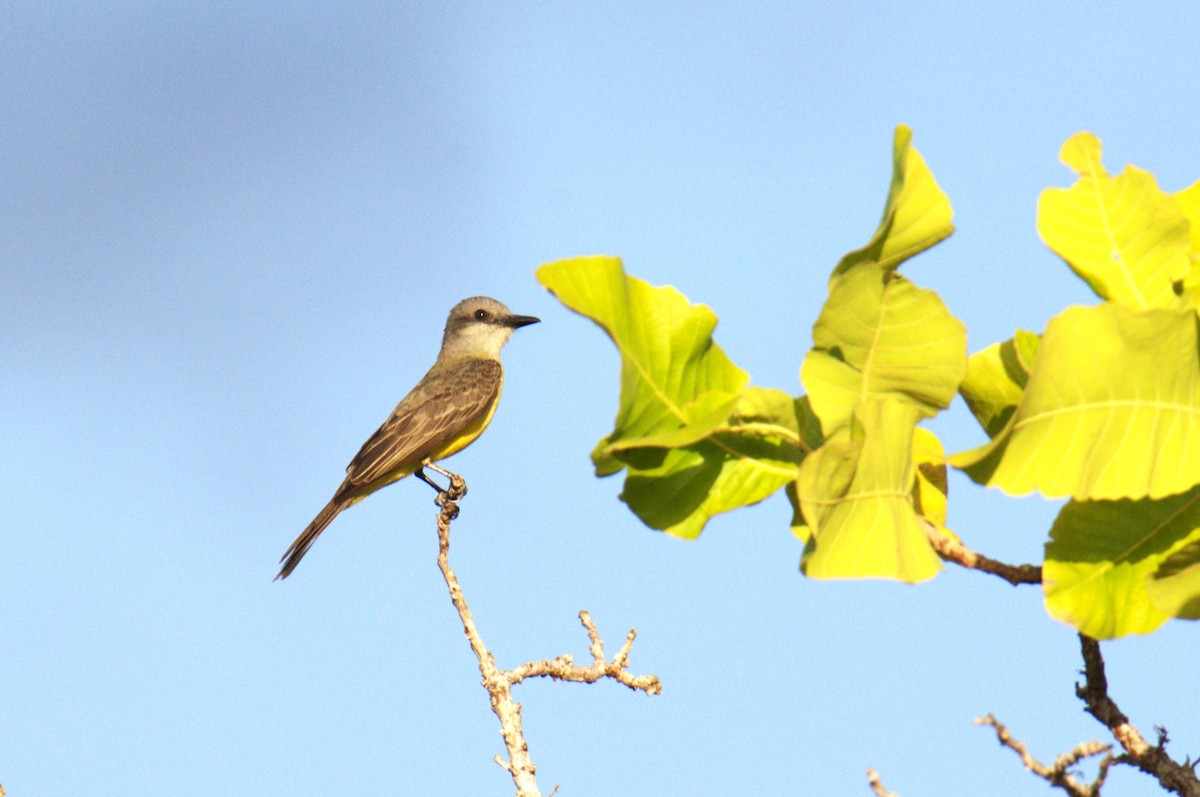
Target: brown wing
444,404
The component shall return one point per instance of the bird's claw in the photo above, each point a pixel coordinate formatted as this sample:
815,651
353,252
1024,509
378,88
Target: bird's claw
447,504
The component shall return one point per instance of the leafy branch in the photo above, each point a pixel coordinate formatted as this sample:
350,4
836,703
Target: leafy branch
953,550
1101,407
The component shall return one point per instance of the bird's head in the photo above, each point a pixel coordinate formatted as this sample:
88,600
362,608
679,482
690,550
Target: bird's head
480,326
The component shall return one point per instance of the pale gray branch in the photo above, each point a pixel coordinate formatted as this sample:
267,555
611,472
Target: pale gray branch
499,682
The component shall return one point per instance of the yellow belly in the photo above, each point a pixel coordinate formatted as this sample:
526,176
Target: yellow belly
466,437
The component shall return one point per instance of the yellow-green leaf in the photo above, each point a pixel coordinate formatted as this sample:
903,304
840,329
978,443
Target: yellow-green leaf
1123,235
691,485
1189,204
995,380
810,434
880,335
856,494
668,358
701,417
1111,410
747,459
1101,554
693,438
917,214
1175,585
931,488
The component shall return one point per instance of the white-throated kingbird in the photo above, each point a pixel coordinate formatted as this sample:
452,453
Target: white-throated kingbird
442,415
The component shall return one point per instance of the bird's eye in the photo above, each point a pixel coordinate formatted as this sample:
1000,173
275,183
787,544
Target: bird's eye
481,315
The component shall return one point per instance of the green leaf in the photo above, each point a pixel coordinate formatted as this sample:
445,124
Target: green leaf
798,526
856,494
668,358
1101,554
931,489
916,216
880,335
1189,204
810,433
885,354
678,490
1124,236
691,485
1111,410
1175,586
693,438
996,378
1027,344
701,417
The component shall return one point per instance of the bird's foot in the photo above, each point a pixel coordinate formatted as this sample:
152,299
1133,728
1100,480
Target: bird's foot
448,498
446,501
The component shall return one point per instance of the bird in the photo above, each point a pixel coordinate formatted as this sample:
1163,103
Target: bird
447,410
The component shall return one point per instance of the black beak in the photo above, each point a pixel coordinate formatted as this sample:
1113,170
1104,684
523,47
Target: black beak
518,321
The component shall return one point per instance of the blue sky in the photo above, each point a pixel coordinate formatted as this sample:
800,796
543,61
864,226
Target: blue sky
229,238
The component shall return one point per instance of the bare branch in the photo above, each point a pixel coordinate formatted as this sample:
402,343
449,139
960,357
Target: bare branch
519,764
954,551
499,682
1058,774
564,668
877,787
1153,760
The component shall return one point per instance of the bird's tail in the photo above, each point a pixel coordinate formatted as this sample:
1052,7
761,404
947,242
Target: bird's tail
292,556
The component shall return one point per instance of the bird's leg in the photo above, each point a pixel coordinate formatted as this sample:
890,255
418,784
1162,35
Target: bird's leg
458,485
443,496
420,474
449,496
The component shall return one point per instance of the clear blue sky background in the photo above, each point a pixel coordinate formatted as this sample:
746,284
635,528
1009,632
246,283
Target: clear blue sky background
228,241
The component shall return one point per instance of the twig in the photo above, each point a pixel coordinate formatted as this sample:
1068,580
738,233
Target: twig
1058,775
499,682
1153,760
877,787
564,669
519,764
954,551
